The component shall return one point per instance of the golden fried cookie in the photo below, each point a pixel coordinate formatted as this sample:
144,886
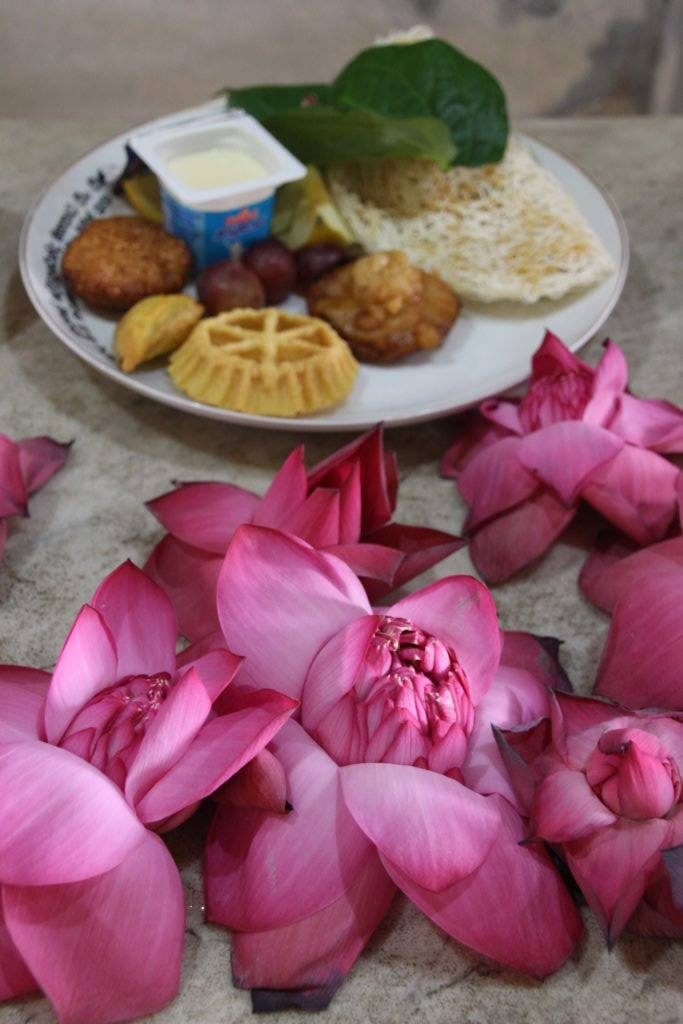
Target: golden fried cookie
264,361
385,307
154,326
117,261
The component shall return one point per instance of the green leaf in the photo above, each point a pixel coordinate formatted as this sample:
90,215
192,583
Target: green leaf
422,100
430,78
262,101
323,135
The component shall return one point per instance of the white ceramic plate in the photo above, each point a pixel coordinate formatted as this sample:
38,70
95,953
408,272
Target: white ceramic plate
488,350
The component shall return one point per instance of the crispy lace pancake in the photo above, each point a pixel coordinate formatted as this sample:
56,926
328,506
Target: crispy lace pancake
384,307
264,361
503,231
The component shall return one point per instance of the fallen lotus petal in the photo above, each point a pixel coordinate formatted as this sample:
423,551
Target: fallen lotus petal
344,506
523,466
24,467
121,741
603,785
643,591
393,777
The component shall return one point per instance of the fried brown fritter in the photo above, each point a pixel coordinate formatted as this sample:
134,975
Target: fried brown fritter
117,261
385,307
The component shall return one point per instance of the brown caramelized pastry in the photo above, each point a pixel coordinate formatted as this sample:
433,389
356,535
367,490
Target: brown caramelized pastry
116,261
385,307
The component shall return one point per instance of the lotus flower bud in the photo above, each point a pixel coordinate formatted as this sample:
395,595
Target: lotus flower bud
633,774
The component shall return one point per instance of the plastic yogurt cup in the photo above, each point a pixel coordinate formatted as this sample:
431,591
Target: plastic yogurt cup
218,178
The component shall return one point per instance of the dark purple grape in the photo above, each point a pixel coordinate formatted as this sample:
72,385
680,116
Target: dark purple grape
229,285
313,261
275,267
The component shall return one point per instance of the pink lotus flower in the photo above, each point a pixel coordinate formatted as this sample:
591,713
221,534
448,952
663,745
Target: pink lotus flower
577,434
603,784
643,591
122,741
344,506
24,467
392,775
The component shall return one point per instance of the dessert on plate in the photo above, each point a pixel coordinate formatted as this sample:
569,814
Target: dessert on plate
385,307
265,361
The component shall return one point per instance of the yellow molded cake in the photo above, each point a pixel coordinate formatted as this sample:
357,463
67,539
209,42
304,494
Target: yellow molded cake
264,361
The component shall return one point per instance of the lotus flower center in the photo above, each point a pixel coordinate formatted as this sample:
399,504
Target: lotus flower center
634,775
413,700
554,398
109,729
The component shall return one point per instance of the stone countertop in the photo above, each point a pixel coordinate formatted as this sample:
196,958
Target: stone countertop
127,449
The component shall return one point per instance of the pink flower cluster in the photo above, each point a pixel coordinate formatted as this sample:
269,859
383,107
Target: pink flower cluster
352,751
523,466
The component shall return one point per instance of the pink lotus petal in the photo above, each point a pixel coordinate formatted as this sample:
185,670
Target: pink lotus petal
287,491
279,600
188,577
613,866
169,735
319,950
375,564
659,913
552,357
669,732
504,414
495,480
262,783
205,515
350,505
220,748
420,546
474,433
22,695
141,620
649,423
334,671
86,665
514,908
514,697
564,455
565,807
432,828
578,722
62,819
378,483
40,458
507,544
264,870
537,655
609,382
317,519
636,491
13,494
15,978
641,661
611,373
610,573
109,948
459,611
216,668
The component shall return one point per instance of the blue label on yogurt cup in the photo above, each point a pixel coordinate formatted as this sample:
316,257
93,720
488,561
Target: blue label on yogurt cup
212,234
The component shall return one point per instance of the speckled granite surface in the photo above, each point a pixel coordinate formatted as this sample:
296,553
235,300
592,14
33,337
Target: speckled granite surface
91,516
